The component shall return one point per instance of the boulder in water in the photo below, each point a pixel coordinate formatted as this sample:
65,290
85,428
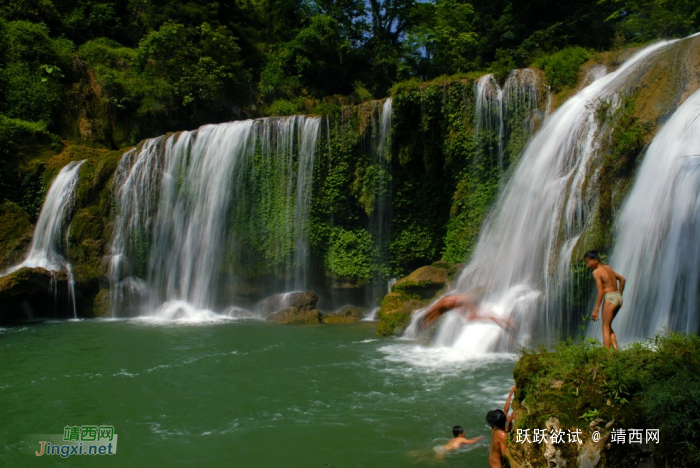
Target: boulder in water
395,312
346,314
302,300
295,316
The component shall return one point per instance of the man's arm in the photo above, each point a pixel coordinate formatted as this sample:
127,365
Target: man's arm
506,407
621,279
599,299
466,441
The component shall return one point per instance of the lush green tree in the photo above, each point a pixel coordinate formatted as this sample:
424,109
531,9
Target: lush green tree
447,35
642,20
319,55
31,72
193,69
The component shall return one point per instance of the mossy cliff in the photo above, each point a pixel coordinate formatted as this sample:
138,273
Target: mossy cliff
438,182
414,292
582,387
35,163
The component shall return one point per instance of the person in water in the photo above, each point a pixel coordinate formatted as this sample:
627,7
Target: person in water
609,294
496,419
468,305
459,439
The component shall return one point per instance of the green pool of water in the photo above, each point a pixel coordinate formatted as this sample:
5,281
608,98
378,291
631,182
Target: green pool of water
243,394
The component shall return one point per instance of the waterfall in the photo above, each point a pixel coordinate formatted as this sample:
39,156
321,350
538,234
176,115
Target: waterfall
195,207
522,262
380,218
658,234
488,98
496,109
46,250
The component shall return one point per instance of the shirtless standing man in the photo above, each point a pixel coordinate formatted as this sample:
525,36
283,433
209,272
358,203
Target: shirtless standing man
606,280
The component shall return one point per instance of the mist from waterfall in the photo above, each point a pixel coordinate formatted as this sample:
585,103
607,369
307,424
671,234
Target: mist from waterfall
522,262
657,245
195,207
48,249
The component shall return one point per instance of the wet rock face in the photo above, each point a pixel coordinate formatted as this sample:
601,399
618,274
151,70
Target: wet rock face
295,316
302,300
424,282
346,314
27,291
15,234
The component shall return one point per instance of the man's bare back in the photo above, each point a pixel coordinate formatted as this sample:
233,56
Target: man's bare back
498,448
607,278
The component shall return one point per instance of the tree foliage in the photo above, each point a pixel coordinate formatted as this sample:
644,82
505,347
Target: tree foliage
161,65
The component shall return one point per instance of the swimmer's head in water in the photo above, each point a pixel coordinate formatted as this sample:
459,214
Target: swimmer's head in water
457,431
496,418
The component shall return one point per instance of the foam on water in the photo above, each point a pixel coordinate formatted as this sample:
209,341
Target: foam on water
443,359
181,312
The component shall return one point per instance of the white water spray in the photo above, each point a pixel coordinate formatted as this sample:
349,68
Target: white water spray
191,205
46,250
523,258
658,234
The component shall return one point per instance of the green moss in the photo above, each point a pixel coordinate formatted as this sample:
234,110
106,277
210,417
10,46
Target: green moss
390,323
15,233
562,68
646,385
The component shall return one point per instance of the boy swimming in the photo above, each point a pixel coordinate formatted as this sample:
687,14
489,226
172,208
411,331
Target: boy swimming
606,280
459,439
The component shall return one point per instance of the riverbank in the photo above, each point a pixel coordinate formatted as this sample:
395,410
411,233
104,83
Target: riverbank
623,397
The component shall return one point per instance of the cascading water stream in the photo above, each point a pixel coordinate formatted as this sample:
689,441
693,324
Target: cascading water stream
522,262
46,250
191,207
495,108
380,218
658,234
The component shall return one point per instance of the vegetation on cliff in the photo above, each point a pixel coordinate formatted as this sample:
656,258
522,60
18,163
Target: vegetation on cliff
118,71
648,385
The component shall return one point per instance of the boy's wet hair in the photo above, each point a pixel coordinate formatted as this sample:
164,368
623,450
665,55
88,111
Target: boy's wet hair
592,254
496,418
457,430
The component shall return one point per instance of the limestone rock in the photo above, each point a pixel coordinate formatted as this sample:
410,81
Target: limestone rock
425,282
551,453
591,451
26,282
295,316
395,312
346,314
302,300
28,286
